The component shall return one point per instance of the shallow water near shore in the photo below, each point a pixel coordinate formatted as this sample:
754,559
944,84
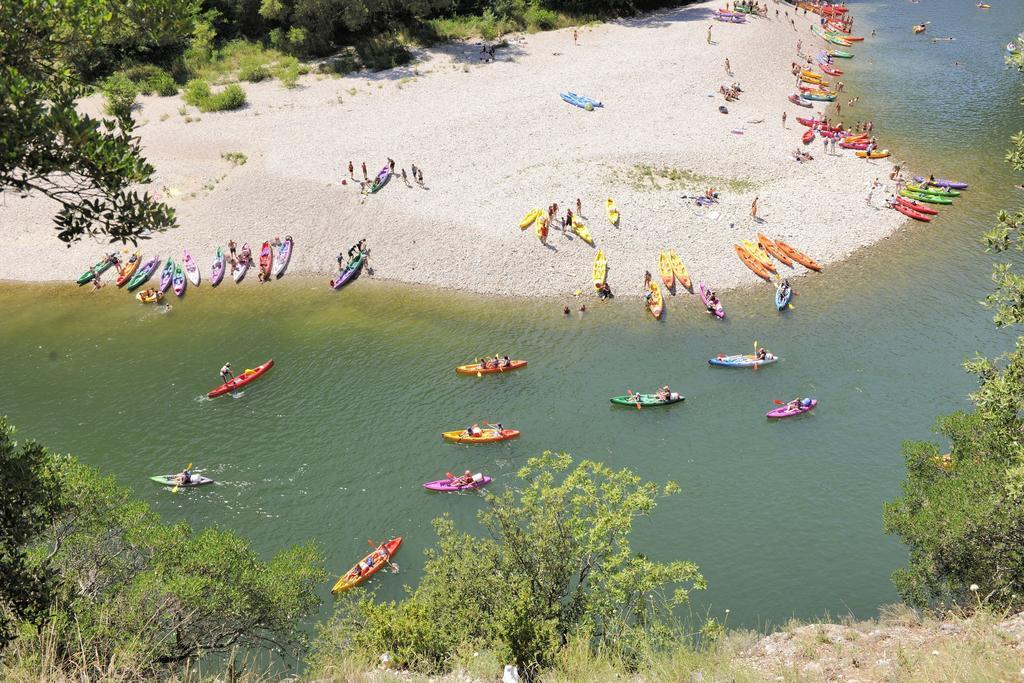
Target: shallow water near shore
784,519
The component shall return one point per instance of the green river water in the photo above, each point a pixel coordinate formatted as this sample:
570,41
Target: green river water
784,519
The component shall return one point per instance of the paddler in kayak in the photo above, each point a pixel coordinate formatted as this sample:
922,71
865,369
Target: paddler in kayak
465,480
225,373
664,394
473,431
183,478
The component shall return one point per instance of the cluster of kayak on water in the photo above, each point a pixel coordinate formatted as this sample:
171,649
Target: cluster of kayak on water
382,553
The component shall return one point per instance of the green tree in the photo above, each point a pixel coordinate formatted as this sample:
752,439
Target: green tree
30,501
962,513
47,146
136,595
555,563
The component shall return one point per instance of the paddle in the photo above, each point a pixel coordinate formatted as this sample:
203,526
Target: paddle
755,355
176,486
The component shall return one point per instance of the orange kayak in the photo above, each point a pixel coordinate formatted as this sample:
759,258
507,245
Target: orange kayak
478,369
486,436
798,256
752,263
368,566
665,269
772,249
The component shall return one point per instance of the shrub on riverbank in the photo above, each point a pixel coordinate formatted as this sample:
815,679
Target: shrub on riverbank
198,94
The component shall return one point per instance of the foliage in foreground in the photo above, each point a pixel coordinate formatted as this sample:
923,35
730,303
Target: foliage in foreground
555,565
962,513
47,146
94,583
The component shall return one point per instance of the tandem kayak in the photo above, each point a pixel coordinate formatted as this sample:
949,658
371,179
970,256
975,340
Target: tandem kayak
929,198
143,274
368,566
98,269
911,213
942,182
191,268
679,270
783,295
742,361
600,269
755,266
349,271
789,410
656,303
478,369
284,255
937,191
266,260
647,400
611,211
447,486
167,276
217,270
172,480
149,296
920,208
798,256
128,269
770,247
529,218
243,263
238,382
705,295
381,180
486,436
178,280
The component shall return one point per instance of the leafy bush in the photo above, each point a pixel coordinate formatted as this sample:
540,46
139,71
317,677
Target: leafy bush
197,93
383,52
119,93
150,79
253,71
541,19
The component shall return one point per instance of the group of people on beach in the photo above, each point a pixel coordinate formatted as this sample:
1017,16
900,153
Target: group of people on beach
367,182
731,93
353,251
749,8
244,259
114,261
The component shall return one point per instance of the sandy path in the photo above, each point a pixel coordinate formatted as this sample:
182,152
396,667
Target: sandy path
495,140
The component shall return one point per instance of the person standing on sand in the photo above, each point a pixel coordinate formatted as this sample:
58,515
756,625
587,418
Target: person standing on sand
783,119
709,34
575,36
833,143
403,177
365,177
420,177
824,142
414,171
728,67
753,209
839,87
579,210
351,174
391,164
231,247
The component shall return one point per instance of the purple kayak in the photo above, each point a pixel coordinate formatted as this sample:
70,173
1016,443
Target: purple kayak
166,276
705,296
446,485
942,182
349,271
788,410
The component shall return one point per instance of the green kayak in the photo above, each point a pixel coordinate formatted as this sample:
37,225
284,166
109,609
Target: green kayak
841,54
172,480
98,269
937,191
646,400
930,198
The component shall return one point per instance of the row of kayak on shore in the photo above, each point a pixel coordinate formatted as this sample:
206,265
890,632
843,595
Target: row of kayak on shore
134,272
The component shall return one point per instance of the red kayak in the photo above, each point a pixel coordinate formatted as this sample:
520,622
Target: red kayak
266,259
907,211
808,136
240,381
855,145
795,99
917,206
830,70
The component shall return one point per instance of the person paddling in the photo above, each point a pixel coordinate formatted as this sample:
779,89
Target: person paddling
225,373
184,478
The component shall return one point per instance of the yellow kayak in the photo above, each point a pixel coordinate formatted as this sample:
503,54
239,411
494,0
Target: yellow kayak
679,270
582,231
811,74
613,213
149,296
529,218
600,268
665,269
656,304
880,154
485,436
760,254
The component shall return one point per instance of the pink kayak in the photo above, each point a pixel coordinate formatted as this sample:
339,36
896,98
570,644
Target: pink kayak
705,296
447,486
789,410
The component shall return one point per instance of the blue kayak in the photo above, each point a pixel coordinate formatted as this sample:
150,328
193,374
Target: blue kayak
783,295
741,361
580,101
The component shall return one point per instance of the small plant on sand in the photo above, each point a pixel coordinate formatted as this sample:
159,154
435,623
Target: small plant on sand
119,95
644,177
236,158
197,93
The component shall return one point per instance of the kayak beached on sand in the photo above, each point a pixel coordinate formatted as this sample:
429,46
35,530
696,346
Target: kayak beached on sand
217,269
284,255
349,271
98,269
238,382
143,274
368,566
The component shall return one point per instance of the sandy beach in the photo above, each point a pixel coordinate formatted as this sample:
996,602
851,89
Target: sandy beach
495,140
